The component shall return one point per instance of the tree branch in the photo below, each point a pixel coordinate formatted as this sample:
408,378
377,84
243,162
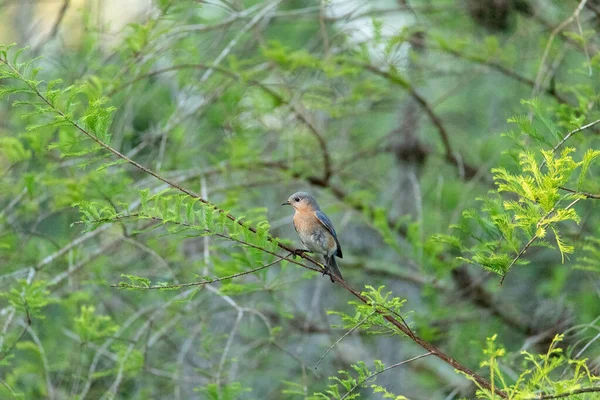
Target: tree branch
563,395
450,155
395,322
586,194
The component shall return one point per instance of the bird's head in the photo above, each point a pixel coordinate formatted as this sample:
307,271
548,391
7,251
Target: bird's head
301,201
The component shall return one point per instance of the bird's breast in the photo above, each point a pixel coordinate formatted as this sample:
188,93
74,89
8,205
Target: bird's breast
313,234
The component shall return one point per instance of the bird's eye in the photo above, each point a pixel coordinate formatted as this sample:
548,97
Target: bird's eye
297,199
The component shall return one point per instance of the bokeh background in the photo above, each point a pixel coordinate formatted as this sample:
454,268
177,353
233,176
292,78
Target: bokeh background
391,113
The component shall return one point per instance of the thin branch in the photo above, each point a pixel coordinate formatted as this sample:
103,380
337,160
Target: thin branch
21,335
328,170
563,395
586,194
503,70
255,20
568,136
399,325
384,370
355,327
295,357
533,239
450,155
228,344
14,202
200,283
224,23
556,31
45,365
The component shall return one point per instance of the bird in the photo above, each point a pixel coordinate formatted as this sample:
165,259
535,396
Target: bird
315,230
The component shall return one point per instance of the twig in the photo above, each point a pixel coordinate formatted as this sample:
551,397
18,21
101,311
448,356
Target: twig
556,31
400,326
200,283
450,155
13,202
533,239
45,365
586,194
384,370
355,327
328,170
518,256
99,251
568,394
239,35
18,339
295,357
503,70
568,136
228,344
209,27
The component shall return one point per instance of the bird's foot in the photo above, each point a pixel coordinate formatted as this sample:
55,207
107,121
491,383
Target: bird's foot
299,252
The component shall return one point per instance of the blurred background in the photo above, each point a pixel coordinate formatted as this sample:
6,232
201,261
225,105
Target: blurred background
391,113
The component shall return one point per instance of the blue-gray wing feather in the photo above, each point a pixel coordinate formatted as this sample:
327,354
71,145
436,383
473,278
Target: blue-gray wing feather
329,226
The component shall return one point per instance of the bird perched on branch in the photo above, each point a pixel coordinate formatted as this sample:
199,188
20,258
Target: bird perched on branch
315,230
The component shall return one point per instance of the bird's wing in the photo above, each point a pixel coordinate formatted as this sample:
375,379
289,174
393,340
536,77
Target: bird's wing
329,226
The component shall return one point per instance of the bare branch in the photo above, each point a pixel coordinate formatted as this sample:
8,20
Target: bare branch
355,327
201,283
586,194
563,395
450,155
568,136
384,370
556,31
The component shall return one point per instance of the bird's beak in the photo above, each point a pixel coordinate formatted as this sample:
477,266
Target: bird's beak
286,203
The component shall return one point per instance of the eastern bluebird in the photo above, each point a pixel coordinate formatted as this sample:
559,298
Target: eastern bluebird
315,229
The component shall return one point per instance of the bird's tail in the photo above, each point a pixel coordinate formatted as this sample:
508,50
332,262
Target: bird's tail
332,266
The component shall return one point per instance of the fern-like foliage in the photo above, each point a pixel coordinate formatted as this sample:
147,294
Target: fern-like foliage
534,203
370,316
547,374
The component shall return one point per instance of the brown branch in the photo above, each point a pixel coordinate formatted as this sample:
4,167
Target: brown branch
450,155
395,322
201,283
328,170
586,194
568,394
424,344
503,70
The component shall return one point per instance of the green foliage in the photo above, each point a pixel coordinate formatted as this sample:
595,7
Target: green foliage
551,373
370,316
589,258
346,382
387,113
29,298
92,327
537,203
230,391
